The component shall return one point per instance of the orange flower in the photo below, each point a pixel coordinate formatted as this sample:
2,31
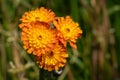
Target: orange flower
37,37
67,30
46,38
41,14
53,59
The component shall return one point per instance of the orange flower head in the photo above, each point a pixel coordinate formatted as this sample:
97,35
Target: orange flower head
53,59
41,14
37,37
68,30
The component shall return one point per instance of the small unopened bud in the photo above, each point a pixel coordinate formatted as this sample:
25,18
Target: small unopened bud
58,72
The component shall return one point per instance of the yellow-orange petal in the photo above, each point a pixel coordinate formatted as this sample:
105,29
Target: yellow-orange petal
37,37
40,14
68,30
53,59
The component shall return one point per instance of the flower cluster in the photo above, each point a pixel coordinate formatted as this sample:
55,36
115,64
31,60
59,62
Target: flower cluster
45,36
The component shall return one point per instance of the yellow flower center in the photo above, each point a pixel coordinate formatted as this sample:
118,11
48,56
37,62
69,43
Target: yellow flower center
67,30
40,37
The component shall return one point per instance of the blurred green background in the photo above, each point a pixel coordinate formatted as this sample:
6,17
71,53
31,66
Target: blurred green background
98,54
